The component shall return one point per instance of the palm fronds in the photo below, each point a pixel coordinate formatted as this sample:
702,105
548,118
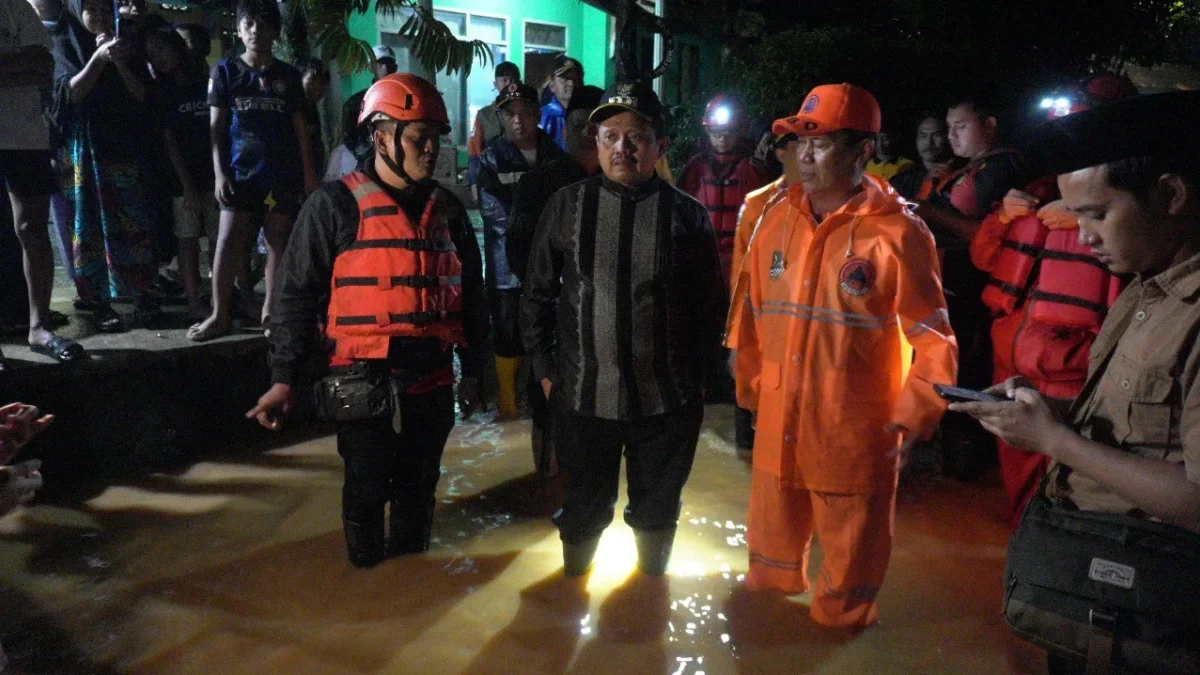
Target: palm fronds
433,44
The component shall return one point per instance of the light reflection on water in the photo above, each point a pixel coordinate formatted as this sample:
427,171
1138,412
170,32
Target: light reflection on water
171,573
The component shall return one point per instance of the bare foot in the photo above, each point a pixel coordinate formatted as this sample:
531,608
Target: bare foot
39,336
213,327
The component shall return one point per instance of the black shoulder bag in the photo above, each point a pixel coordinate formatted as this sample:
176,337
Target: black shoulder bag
1119,591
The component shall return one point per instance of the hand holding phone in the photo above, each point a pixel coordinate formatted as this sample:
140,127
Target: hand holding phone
960,395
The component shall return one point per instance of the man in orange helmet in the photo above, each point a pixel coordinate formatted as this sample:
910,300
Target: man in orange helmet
396,256
841,285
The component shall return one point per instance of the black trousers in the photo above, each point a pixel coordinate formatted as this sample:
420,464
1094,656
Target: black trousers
542,437
743,428
504,304
658,454
402,468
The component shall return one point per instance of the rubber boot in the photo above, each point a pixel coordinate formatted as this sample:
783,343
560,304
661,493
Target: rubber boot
577,558
364,543
506,375
654,550
409,533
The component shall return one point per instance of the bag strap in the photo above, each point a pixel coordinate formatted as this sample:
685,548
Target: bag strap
1089,387
1100,641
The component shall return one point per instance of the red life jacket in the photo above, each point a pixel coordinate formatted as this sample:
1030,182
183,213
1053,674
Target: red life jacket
397,279
961,189
721,186
1009,281
1073,288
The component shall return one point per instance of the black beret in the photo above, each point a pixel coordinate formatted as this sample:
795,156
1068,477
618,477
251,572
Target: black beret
1156,125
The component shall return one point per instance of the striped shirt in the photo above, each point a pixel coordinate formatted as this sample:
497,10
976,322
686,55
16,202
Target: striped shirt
624,301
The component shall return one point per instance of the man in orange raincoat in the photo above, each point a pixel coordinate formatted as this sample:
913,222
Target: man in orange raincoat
840,284
753,208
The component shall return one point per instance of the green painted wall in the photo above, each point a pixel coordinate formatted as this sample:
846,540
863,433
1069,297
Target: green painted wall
587,32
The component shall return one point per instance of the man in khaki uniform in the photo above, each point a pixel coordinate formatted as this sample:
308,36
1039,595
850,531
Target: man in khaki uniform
1131,442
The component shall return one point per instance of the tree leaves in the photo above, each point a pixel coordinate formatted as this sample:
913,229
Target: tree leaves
433,43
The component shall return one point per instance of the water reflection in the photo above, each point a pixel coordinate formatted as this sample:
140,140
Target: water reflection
237,565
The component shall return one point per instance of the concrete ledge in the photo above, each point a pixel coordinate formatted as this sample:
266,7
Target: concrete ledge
146,398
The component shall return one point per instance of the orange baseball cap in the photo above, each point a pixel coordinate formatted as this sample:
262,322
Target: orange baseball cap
833,107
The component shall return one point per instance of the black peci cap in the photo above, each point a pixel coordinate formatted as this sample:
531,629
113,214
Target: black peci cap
517,91
1155,125
635,97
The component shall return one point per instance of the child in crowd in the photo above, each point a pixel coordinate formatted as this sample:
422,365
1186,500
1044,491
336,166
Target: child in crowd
262,160
181,103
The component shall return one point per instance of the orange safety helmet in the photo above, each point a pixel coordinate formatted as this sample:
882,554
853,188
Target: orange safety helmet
724,111
404,97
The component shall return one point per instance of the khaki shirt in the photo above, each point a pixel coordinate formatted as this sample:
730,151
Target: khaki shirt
1145,399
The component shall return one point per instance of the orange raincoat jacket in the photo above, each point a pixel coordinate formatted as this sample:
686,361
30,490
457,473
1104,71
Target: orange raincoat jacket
825,319
749,217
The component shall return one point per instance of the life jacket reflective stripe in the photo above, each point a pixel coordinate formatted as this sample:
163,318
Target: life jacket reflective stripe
1073,288
396,280
1010,278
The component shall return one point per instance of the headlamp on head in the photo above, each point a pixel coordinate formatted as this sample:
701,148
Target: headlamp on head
721,116
1056,106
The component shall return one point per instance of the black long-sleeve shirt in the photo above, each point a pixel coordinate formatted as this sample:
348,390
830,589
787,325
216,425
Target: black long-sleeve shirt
533,192
624,302
327,226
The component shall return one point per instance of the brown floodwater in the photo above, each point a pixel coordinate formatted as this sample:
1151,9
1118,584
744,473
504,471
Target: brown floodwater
236,564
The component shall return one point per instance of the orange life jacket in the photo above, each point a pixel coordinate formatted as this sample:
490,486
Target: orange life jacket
1073,288
396,280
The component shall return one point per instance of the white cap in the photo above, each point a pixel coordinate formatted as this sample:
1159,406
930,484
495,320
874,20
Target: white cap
384,52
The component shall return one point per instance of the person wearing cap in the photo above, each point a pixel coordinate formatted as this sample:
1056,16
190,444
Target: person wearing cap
753,209
565,78
1130,442
488,126
841,285
537,186
621,315
1047,295
724,171
529,200
356,138
394,256
502,164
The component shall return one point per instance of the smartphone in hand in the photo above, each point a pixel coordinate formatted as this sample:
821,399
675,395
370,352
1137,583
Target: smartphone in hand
960,395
